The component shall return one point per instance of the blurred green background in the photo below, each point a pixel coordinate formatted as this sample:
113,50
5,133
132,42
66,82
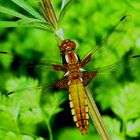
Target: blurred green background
29,114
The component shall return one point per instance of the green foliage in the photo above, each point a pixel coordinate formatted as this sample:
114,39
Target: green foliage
72,134
125,105
114,127
27,111
133,128
128,97
20,111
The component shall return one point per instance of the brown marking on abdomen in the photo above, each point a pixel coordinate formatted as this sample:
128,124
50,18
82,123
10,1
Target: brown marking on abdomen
78,105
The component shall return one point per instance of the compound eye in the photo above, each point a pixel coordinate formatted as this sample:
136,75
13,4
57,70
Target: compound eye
63,48
67,45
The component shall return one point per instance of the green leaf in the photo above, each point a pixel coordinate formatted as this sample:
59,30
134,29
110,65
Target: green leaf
40,138
8,24
25,92
29,22
19,23
28,8
11,12
73,134
29,119
133,128
114,128
8,135
51,104
8,122
64,6
26,137
126,101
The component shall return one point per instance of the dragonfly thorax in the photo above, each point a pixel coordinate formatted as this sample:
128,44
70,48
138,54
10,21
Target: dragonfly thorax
71,58
67,46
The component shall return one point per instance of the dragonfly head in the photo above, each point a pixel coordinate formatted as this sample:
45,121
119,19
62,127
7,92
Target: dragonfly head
67,46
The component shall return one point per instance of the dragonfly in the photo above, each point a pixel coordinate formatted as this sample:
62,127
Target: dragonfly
76,78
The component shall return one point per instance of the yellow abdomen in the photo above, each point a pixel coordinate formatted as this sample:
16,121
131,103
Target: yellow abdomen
78,104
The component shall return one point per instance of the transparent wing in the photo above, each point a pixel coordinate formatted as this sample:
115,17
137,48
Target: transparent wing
30,62
103,42
127,64
28,87
28,103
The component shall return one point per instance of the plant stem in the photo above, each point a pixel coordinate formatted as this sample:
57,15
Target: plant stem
96,117
50,130
47,120
124,128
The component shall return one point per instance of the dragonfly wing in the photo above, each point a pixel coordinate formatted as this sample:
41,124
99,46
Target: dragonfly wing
129,63
88,76
28,85
32,62
61,84
101,44
86,60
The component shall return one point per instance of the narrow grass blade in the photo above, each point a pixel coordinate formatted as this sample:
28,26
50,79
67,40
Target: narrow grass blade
36,23
11,12
96,117
19,23
28,8
8,24
49,13
64,6
44,12
25,23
